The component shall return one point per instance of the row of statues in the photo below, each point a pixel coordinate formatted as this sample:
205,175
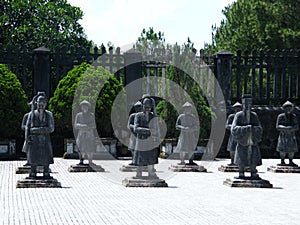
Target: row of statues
246,132
244,125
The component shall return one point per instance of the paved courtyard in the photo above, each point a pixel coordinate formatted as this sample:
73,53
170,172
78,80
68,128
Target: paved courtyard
191,198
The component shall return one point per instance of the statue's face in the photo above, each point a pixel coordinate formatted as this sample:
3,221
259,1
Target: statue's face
147,105
288,109
84,108
138,108
247,103
237,109
41,105
187,110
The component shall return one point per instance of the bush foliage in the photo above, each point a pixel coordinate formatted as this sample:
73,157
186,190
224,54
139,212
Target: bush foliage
13,104
84,82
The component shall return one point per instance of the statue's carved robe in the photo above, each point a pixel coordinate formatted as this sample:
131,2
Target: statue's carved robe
147,141
231,146
130,126
247,150
39,143
188,139
287,124
85,139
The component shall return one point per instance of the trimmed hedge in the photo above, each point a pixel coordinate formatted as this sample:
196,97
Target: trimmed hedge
13,104
91,79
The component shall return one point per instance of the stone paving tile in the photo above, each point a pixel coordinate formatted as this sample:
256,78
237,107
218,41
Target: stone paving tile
191,198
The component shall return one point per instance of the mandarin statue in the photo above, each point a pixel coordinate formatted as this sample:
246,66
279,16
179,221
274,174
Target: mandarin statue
147,131
85,130
231,146
188,125
287,125
39,125
247,131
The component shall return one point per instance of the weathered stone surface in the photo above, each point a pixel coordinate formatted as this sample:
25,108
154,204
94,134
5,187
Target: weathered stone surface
248,183
26,169
187,168
85,168
284,169
132,168
231,168
38,182
144,181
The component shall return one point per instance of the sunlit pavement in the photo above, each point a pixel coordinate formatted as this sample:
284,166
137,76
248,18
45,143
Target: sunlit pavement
191,198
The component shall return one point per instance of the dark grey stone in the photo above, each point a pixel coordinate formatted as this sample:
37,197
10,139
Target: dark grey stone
187,168
284,169
38,182
144,181
248,183
85,168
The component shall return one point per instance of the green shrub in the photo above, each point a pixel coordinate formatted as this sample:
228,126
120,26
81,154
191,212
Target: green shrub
13,104
61,103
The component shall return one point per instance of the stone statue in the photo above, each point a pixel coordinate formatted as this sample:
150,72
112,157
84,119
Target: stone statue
188,125
86,128
231,146
287,125
247,131
130,126
39,125
147,131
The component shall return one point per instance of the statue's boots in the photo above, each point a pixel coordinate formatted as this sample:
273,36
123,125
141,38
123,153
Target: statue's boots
32,173
46,173
282,163
255,176
291,163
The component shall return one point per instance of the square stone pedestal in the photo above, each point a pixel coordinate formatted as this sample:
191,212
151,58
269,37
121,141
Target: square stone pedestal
231,168
26,169
284,169
85,168
38,182
187,168
144,181
248,183
132,168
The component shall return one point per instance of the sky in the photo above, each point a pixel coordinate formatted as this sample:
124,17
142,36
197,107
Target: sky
122,21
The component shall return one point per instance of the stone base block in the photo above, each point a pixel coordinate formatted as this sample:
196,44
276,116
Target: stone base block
23,170
38,182
85,168
132,168
26,169
187,168
248,183
284,169
144,181
231,168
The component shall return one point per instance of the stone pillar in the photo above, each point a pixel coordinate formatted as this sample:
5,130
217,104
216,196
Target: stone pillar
41,70
133,72
223,66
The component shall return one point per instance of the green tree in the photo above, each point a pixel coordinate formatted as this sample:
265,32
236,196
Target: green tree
90,80
41,23
260,25
13,104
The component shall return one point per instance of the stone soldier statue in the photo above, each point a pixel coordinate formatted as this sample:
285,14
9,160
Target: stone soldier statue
231,146
39,125
287,125
130,126
32,104
188,125
247,131
86,128
145,126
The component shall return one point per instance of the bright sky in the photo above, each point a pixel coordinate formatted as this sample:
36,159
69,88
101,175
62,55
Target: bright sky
122,21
